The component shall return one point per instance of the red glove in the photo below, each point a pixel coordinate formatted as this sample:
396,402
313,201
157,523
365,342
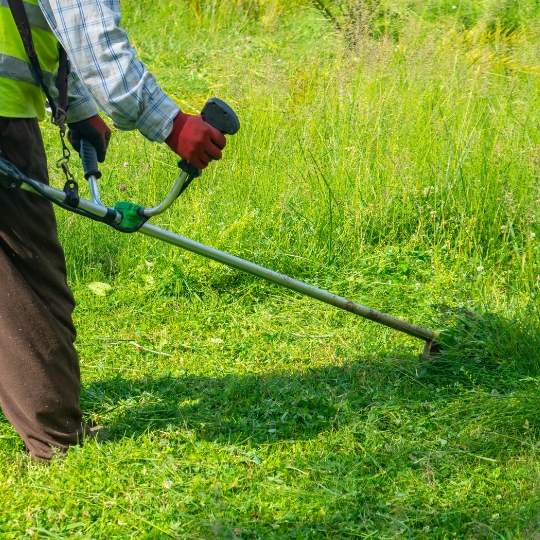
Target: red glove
95,130
195,140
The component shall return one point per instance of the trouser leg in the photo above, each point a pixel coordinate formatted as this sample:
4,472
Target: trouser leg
39,368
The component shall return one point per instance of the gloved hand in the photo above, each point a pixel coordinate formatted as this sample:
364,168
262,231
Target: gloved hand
95,130
195,140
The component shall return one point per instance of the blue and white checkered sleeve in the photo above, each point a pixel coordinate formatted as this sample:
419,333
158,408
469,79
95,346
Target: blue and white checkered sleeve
80,102
104,60
81,105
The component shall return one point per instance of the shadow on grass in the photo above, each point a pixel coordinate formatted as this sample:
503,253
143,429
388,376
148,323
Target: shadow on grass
486,357
232,408
495,357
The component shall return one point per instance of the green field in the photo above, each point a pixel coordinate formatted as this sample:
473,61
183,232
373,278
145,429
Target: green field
390,153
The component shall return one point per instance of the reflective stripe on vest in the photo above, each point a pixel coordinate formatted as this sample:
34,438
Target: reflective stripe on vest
19,70
35,15
20,95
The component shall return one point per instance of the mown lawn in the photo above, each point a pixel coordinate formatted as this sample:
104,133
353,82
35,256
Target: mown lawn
390,156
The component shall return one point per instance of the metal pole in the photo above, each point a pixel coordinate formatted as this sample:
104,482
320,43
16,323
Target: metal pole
96,209
288,282
269,275
171,197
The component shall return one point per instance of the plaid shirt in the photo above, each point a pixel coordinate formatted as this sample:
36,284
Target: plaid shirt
105,68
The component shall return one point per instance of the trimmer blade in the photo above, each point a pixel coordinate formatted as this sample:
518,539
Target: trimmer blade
431,350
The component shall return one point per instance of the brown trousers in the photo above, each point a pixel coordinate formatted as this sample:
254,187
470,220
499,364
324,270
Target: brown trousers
39,367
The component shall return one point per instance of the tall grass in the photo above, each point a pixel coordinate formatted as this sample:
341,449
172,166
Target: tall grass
389,152
430,142
354,18
409,163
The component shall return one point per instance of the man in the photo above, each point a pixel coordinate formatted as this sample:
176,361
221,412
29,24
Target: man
39,369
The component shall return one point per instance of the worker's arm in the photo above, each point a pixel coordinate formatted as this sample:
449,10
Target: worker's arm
80,102
103,58
83,118
106,63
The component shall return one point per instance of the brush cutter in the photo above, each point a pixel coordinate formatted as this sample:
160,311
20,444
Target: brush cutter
129,217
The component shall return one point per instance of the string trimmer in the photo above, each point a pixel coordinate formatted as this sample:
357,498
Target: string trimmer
129,217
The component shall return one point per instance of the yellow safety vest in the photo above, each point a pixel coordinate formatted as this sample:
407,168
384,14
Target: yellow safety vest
20,95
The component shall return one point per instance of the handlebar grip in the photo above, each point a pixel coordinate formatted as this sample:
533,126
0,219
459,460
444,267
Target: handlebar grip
192,171
89,160
220,116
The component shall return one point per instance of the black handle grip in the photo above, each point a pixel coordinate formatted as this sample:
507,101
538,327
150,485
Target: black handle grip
220,116
192,171
89,159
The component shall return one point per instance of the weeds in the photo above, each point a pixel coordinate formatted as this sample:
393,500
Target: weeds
388,153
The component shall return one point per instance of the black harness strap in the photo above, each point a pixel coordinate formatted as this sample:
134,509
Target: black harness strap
61,82
59,109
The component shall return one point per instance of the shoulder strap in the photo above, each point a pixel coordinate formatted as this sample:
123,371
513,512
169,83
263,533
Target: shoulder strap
58,109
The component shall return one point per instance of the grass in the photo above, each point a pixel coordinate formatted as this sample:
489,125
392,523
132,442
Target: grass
399,169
